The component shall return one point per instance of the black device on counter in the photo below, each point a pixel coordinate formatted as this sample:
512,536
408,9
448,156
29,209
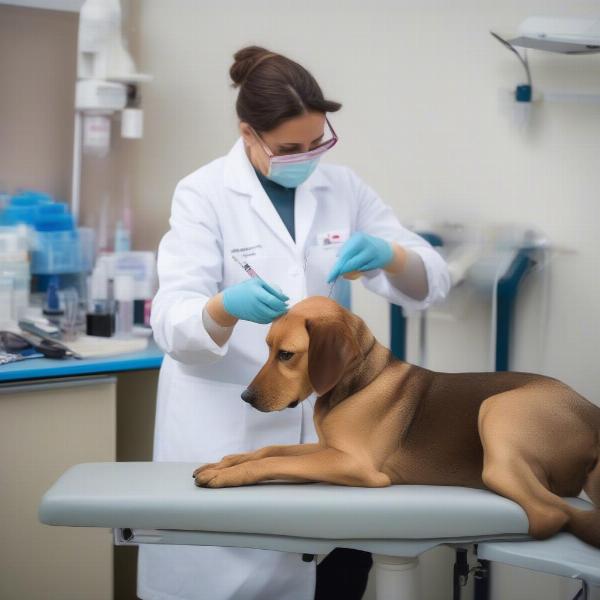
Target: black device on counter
100,324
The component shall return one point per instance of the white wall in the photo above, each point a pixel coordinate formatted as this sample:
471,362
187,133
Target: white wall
37,85
419,81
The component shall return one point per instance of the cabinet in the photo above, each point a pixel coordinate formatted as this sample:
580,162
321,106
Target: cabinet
46,427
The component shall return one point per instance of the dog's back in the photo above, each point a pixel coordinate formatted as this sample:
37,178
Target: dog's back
440,444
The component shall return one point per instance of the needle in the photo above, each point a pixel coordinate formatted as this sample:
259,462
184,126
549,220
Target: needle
332,286
251,272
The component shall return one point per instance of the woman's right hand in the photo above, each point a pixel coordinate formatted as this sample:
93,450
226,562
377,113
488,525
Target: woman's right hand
254,300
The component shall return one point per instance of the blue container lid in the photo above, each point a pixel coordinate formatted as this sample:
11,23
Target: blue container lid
55,222
13,215
30,198
56,208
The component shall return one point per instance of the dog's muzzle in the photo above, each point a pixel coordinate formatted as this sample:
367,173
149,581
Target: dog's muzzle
248,396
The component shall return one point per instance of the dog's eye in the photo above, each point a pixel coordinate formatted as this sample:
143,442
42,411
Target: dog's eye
284,355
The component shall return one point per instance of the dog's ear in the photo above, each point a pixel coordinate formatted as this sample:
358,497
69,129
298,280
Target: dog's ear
331,348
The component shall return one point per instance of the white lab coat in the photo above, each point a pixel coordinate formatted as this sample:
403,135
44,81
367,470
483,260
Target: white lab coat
218,210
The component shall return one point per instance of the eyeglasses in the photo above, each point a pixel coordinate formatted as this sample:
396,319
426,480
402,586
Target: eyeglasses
316,151
13,343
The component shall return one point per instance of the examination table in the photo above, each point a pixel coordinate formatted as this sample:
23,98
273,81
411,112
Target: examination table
158,503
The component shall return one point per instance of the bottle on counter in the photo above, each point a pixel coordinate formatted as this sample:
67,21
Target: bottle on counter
124,290
100,319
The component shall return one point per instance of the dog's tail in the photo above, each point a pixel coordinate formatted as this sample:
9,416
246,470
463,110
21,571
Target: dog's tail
585,524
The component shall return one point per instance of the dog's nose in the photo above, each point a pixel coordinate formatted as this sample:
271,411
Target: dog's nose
248,396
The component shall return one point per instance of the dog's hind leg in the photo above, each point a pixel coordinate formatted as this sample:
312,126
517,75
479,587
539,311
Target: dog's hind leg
513,477
533,448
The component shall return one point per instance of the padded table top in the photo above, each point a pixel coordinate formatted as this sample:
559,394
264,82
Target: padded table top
162,495
563,555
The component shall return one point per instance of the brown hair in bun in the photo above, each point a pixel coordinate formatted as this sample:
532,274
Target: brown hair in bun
274,88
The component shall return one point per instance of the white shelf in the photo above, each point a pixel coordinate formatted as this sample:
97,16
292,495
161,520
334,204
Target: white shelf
64,5
571,97
506,97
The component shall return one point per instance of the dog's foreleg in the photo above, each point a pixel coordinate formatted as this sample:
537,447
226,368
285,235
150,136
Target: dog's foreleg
327,465
283,450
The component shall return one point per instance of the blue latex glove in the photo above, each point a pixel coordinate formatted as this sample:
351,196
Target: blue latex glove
254,300
362,252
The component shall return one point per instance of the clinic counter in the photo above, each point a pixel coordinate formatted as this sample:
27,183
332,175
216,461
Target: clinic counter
55,414
45,368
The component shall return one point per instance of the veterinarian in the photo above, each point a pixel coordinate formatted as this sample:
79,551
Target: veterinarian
301,226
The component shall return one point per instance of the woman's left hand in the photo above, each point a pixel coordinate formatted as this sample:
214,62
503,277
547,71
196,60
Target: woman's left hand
362,252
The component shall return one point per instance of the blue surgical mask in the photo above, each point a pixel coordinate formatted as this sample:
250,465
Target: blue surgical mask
291,170
292,174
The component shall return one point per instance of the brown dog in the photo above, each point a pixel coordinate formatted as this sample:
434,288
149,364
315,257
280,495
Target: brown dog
381,421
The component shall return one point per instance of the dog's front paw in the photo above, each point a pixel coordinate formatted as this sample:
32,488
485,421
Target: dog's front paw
204,468
204,475
227,461
219,478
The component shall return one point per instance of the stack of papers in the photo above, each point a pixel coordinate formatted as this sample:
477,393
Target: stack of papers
89,346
